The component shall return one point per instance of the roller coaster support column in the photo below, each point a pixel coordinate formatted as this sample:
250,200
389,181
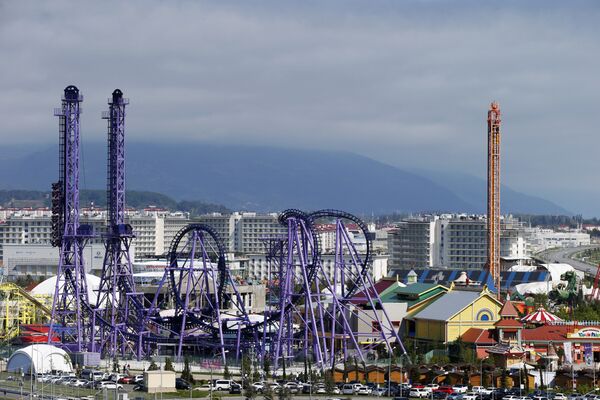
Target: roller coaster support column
119,308
71,294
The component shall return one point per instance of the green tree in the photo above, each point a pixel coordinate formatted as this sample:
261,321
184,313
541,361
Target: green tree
186,374
249,392
246,367
268,392
153,366
267,367
415,375
226,373
169,365
329,382
504,379
457,351
115,365
466,377
284,394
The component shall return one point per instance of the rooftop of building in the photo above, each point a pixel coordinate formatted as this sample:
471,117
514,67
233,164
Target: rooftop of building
448,305
479,336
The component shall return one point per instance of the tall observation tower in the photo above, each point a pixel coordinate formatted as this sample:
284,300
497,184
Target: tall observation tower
493,202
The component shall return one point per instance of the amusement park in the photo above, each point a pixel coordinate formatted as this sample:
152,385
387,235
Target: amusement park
324,319
312,314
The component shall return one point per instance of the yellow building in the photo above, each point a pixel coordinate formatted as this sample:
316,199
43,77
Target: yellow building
454,313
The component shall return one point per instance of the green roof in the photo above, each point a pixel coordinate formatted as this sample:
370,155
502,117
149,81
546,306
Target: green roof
411,294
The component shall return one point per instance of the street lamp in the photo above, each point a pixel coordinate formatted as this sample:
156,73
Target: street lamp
211,371
434,378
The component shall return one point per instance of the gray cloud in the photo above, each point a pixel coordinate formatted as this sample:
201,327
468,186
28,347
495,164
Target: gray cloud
407,83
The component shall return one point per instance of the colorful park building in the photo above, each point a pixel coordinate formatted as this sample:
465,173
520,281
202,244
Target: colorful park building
450,316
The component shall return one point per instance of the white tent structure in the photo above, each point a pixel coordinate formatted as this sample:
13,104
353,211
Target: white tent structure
39,359
48,287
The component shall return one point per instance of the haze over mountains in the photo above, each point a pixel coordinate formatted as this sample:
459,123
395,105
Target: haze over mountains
271,179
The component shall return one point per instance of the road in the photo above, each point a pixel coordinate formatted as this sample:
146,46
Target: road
564,256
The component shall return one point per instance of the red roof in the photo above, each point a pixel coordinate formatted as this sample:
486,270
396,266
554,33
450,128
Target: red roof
545,333
508,310
478,336
379,286
508,323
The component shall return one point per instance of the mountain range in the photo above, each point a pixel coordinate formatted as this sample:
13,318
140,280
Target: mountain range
271,179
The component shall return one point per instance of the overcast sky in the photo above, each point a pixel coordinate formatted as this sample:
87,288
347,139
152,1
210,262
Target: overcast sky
407,83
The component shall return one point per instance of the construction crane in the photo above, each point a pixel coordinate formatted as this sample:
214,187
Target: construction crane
493,199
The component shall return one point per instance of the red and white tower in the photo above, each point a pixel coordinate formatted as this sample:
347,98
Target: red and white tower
493,202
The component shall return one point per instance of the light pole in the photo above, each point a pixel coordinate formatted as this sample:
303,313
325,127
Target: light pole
434,378
211,372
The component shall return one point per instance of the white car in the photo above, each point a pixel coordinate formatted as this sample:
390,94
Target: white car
433,386
470,396
223,384
364,391
258,386
348,389
79,383
418,392
460,388
560,396
110,385
477,389
138,379
206,387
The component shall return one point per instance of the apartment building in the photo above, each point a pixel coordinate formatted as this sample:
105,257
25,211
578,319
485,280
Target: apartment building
452,241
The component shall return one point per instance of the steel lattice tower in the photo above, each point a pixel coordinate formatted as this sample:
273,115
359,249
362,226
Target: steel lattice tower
493,204
118,304
70,296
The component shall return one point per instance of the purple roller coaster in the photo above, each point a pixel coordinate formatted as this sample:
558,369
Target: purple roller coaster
326,314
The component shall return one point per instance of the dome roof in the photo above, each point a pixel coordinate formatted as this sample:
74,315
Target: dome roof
48,286
39,358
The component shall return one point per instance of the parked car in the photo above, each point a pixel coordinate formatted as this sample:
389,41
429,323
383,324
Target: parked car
419,392
138,379
235,388
444,389
140,387
559,396
258,387
79,383
182,384
127,379
348,389
477,389
110,385
455,396
470,396
460,388
223,384
363,391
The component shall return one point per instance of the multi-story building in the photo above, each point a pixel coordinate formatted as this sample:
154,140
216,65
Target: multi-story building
543,239
414,243
244,232
257,266
41,260
154,229
452,241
